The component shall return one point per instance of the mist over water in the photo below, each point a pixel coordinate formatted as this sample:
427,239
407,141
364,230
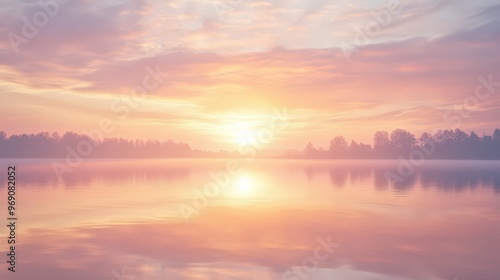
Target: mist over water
112,219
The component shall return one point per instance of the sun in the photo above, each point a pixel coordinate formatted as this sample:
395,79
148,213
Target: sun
245,137
241,128
244,185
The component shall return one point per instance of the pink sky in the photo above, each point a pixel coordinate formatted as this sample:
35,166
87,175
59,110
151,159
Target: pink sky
224,76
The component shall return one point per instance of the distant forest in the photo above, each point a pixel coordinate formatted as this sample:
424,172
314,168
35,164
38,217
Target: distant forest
54,145
444,144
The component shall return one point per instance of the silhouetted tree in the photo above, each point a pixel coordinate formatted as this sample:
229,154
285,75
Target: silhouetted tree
402,142
54,146
446,144
359,150
338,147
496,143
310,151
381,144
443,144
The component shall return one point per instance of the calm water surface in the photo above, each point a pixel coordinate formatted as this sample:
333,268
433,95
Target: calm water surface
149,219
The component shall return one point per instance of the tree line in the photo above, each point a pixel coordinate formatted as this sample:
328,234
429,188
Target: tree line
54,145
443,144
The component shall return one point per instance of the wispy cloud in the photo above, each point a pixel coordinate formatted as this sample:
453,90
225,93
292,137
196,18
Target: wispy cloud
265,54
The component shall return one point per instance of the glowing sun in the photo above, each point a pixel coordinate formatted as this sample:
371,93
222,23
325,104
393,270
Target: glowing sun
244,185
244,137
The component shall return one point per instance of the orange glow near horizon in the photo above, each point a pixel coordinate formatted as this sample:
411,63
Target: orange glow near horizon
250,139
208,86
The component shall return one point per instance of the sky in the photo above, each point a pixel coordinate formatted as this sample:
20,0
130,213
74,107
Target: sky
214,73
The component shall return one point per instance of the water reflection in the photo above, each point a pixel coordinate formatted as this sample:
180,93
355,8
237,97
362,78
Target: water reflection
109,220
40,172
444,175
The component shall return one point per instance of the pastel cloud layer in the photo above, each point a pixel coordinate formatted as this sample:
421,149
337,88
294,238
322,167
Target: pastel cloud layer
218,66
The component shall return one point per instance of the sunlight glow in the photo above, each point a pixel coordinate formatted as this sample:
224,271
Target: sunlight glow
245,137
244,186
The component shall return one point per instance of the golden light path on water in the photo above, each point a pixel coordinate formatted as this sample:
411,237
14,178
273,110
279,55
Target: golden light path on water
268,218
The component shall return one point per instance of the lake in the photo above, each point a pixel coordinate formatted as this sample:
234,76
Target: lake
264,219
